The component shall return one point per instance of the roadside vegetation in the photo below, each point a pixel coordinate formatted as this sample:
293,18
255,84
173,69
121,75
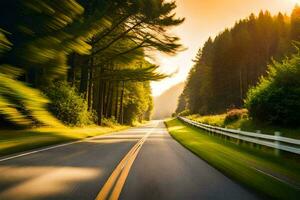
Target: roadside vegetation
78,63
276,98
248,77
252,167
239,119
272,105
14,141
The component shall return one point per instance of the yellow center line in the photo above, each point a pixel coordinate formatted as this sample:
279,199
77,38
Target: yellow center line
114,184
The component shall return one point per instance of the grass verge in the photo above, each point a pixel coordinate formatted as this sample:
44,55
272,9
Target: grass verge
240,163
23,140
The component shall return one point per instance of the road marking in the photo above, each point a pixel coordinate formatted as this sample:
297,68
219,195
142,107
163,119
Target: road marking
18,155
278,179
37,151
114,184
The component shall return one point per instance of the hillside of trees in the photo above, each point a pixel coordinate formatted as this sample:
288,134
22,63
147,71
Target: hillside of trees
233,62
81,61
165,104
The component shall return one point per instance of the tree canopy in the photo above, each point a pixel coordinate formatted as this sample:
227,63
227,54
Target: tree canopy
100,47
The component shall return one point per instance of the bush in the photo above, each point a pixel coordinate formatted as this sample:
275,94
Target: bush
110,122
68,106
184,113
234,115
276,99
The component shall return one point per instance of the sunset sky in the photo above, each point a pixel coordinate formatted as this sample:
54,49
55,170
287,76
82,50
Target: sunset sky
205,18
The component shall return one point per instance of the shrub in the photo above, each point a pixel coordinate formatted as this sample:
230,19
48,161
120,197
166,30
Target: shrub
234,115
68,106
184,113
276,99
110,122
214,120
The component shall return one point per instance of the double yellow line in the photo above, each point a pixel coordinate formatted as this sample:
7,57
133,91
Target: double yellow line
113,186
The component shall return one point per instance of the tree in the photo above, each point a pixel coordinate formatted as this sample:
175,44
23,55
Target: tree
276,97
136,27
104,42
227,66
19,104
295,23
41,37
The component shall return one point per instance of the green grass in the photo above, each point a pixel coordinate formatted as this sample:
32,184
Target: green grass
12,141
241,162
246,124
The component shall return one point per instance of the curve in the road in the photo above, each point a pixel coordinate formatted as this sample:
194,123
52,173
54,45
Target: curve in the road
139,163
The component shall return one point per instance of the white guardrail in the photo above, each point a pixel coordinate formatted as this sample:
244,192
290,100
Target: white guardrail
273,141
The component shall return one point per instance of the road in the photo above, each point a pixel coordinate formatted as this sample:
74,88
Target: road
140,163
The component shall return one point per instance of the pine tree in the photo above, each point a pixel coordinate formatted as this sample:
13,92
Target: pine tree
226,67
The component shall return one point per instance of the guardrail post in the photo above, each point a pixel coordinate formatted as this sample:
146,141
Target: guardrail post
238,140
260,140
277,150
257,145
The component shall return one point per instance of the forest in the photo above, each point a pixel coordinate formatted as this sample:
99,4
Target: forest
255,65
81,62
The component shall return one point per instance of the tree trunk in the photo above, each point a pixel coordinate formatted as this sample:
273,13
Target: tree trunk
104,98
121,120
110,101
84,81
117,101
108,98
90,87
71,72
100,104
101,93
241,85
95,96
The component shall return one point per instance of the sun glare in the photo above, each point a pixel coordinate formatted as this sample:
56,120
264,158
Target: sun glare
294,1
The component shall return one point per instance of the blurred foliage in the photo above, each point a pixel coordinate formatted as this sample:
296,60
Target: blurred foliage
19,103
33,36
276,98
235,115
68,106
40,32
23,105
140,74
93,44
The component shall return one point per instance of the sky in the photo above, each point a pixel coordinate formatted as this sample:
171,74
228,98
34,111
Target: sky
204,19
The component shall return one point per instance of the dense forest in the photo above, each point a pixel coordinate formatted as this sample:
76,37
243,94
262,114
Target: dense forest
81,61
233,62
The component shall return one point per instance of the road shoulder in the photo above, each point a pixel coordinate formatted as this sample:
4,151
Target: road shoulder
13,142
237,162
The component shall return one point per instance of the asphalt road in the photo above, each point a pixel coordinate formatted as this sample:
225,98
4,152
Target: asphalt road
153,166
